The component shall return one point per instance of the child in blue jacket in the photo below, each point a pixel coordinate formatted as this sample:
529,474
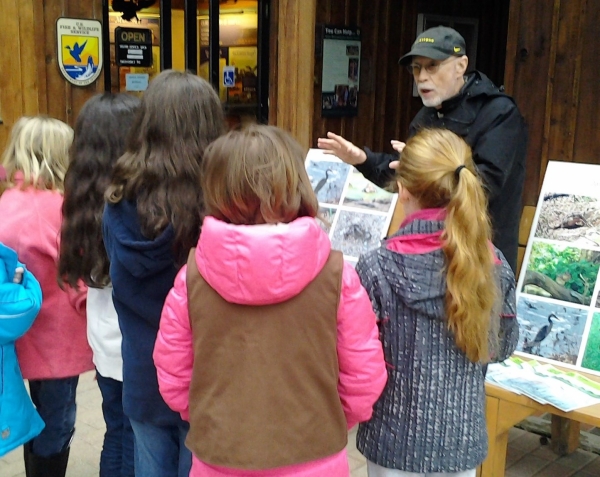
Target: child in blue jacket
20,302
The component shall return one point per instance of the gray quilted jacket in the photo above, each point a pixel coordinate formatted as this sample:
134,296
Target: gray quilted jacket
431,415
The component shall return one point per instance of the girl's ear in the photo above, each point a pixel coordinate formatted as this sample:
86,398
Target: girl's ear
403,195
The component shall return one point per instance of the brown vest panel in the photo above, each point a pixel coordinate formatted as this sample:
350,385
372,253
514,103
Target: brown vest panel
264,384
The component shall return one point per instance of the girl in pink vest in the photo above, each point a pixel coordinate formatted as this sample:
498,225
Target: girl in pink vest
268,345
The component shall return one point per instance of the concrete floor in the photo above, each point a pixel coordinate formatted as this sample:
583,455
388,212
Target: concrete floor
526,457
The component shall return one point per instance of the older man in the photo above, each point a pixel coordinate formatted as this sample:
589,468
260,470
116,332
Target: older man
471,106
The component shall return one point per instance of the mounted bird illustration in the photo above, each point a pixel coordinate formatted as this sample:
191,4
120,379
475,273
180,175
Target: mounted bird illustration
322,182
129,8
542,334
76,50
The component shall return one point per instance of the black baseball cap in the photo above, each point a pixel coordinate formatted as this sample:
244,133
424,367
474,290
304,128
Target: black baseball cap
437,43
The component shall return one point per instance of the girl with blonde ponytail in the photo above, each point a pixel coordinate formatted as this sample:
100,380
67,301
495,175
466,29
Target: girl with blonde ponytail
445,297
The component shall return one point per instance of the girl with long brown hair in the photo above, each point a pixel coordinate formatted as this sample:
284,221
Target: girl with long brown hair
100,132
151,220
445,299
267,343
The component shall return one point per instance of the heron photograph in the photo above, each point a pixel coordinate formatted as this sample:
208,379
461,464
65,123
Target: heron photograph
561,272
591,356
356,233
328,179
364,194
550,330
569,218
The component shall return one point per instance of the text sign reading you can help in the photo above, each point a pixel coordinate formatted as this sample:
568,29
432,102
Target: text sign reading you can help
134,46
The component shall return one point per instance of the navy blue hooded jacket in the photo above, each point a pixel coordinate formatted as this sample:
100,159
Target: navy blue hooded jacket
142,272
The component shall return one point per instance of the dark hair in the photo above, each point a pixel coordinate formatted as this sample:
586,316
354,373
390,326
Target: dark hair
257,176
100,134
180,115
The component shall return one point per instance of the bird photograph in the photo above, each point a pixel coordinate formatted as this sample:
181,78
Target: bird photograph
328,179
550,330
364,194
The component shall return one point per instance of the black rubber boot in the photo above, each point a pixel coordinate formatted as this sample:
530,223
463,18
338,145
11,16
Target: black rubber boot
52,466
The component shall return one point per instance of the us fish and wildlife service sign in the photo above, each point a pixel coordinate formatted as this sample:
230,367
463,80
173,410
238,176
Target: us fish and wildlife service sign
79,43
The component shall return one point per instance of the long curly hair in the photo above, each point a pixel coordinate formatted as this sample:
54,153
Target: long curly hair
428,170
180,115
100,134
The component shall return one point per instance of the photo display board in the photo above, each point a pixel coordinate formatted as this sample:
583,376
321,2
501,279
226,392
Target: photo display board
558,299
357,212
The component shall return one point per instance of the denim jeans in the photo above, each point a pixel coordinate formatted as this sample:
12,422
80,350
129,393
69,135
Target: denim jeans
117,456
55,402
161,451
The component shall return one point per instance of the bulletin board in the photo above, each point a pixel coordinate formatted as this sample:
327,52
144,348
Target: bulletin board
341,71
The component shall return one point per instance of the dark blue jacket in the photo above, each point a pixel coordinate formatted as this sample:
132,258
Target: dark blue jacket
142,272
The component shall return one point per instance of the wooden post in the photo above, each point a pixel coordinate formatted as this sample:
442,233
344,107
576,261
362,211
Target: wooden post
295,67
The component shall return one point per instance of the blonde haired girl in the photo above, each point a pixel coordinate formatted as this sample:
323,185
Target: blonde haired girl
445,298
54,352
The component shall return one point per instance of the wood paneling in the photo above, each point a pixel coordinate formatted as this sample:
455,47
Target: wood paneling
30,80
552,70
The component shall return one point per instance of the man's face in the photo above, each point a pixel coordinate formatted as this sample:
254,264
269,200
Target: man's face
438,80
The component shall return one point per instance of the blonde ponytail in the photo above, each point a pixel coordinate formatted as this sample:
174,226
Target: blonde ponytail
438,170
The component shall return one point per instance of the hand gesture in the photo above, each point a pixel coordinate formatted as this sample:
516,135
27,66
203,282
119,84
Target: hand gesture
398,147
342,148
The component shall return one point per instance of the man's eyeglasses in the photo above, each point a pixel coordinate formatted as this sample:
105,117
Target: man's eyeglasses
431,67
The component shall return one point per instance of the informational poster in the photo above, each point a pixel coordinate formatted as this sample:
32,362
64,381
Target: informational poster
356,213
341,71
558,302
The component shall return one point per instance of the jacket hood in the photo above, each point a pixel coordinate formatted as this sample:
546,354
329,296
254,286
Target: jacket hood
261,264
141,256
412,262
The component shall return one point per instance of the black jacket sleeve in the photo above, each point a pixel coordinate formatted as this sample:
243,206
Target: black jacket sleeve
377,167
502,143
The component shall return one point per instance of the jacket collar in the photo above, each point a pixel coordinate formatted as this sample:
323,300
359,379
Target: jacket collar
419,233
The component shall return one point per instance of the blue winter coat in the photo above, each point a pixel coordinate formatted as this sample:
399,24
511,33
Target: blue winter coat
19,305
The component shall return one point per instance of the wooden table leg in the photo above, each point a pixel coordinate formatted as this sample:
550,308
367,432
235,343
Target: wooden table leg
501,416
565,435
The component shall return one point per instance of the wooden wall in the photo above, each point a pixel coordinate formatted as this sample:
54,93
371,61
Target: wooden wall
30,80
552,71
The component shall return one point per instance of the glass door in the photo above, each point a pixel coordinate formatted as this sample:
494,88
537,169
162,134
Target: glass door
224,41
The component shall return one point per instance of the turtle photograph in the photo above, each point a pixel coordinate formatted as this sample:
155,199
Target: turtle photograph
569,218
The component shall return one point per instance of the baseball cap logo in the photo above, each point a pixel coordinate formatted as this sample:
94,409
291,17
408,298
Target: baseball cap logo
456,49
